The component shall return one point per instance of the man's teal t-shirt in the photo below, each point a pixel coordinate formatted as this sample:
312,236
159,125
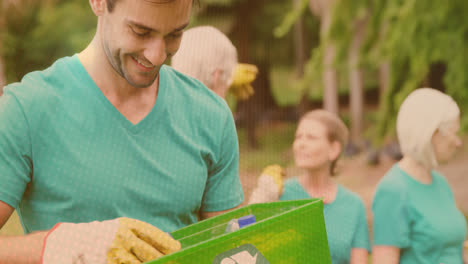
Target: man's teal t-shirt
420,219
345,220
68,155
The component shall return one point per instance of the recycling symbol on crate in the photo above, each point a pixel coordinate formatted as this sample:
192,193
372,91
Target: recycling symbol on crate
245,254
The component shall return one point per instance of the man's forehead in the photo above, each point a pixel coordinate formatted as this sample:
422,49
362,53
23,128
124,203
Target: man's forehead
158,15
158,2
163,3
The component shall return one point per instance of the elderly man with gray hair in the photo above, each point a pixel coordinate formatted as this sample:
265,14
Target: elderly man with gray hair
416,219
208,55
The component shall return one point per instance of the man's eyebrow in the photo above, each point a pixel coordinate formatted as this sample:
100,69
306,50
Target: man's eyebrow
144,27
181,27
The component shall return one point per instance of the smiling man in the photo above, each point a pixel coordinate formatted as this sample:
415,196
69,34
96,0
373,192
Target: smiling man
106,150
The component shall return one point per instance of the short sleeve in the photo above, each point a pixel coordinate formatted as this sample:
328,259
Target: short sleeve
361,236
15,150
223,189
391,224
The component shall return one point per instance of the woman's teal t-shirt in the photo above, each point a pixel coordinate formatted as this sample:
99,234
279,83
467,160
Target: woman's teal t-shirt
420,219
345,220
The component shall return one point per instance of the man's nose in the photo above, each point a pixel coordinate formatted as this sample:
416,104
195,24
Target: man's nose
155,52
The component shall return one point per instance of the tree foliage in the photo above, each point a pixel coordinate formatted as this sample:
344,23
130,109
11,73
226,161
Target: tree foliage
35,34
411,36
418,35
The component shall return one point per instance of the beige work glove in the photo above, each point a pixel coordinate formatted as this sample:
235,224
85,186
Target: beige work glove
244,75
121,240
269,185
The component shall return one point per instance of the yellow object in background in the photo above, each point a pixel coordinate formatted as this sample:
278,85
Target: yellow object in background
269,185
277,173
244,75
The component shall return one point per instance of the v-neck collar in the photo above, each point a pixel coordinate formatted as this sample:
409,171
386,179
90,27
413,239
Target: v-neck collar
156,111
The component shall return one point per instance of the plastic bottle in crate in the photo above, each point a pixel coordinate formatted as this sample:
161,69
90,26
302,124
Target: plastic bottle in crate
236,224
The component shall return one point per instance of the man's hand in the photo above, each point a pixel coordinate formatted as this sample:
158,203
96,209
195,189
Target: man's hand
269,185
244,75
122,240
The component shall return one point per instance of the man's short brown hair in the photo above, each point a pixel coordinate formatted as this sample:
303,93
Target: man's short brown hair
111,3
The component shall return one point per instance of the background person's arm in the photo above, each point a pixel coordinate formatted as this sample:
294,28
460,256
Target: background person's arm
19,249
385,255
5,212
359,256
205,215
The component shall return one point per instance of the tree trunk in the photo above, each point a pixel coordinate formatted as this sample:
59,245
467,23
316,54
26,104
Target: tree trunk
330,75
2,77
301,59
384,69
384,79
323,9
299,44
3,80
3,7
356,84
330,81
250,112
319,7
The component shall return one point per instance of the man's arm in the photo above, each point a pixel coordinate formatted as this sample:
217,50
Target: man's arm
385,254
205,215
120,240
5,213
19,249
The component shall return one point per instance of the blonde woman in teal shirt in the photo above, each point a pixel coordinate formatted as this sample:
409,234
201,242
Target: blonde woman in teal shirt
416,219
318,143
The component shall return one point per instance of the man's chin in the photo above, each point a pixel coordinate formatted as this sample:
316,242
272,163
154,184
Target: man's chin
141,83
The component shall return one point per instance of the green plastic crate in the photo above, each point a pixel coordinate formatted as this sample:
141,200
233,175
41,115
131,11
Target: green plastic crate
286,232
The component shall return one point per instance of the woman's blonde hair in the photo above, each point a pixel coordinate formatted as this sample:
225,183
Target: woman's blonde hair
336,130
422,113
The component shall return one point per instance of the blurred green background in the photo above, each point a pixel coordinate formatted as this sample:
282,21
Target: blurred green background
375,51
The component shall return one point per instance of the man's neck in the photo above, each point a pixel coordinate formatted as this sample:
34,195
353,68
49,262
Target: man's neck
112,84
132,102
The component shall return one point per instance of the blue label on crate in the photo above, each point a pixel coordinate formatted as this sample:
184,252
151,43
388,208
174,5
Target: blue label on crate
245,254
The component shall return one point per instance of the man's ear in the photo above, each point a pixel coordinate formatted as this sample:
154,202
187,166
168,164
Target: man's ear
98,6
216,75
217,83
